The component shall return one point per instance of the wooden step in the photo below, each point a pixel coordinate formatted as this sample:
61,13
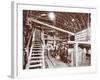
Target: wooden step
37,40
37,44
37,48
35,63
36,59
37,51
38,67
36,55
31,61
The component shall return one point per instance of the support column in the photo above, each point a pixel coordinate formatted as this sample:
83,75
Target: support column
54,41
76,54
72,55
68,37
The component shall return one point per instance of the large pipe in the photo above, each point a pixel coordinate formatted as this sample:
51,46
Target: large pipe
54,27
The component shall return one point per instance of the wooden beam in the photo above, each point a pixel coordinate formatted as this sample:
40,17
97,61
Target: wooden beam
54,27
79,42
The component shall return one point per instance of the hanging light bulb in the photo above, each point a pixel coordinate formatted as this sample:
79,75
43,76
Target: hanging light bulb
73,20
51,16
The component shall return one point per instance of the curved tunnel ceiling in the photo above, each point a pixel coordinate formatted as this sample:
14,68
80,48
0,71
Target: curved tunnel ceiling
68,21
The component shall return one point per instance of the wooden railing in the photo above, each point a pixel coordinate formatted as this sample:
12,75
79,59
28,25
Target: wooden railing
27,50
28,44
30,48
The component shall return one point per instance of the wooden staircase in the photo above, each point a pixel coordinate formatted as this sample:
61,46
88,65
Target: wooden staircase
36,55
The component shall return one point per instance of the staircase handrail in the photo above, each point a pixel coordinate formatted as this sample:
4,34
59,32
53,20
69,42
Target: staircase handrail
33,38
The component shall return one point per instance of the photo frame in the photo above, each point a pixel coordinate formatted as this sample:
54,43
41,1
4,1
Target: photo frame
34,24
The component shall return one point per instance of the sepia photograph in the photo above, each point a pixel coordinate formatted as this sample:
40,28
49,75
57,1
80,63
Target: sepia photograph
54,39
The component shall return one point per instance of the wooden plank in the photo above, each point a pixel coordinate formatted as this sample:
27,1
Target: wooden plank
54,27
